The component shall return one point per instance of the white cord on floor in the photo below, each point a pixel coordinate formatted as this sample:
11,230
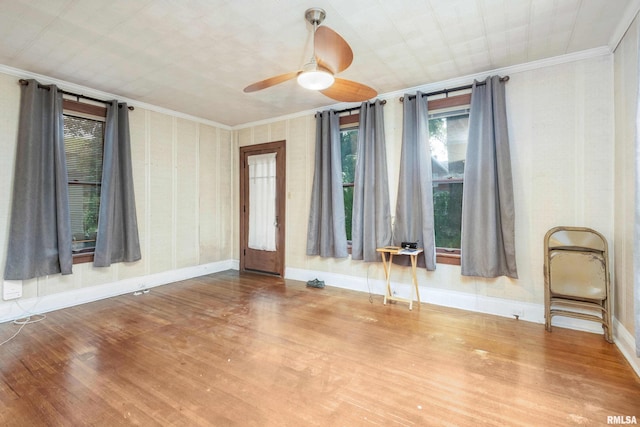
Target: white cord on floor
23,322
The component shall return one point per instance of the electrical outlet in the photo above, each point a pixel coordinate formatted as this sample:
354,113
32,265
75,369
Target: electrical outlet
11,289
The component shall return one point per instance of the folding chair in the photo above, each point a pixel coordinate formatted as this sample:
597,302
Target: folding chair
576,276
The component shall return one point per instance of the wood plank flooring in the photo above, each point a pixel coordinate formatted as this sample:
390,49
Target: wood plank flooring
234,349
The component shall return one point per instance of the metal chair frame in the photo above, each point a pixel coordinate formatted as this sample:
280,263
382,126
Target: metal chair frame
574,306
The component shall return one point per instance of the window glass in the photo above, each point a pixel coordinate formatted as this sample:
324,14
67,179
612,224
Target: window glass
83,138
348,150
448,133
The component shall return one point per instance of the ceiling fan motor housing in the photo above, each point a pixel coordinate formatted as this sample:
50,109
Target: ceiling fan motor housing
315,15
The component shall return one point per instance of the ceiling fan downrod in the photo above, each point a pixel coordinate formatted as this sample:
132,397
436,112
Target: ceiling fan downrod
311,77
314,16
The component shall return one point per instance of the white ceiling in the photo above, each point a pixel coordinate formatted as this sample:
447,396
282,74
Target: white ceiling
196,56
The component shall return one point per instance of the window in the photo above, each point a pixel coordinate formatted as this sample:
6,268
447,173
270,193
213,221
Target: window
84,141
348,150
448,134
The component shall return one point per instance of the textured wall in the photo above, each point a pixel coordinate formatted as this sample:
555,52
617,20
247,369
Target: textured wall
626,87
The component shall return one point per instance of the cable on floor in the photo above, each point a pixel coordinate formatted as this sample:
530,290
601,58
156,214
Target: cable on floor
24,322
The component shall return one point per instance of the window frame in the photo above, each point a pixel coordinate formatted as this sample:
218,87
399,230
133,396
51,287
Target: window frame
92,112
449,256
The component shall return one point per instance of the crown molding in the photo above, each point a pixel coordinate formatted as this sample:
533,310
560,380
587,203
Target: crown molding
628,17
72,87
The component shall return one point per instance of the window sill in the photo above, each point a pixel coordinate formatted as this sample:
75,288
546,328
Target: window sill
451,258
83,258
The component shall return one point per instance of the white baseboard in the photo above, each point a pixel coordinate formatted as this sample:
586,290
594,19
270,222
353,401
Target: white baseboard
529,312
24,307
490,305
627,344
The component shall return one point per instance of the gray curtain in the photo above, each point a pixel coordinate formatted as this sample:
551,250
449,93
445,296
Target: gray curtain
414,209
488,217
40,228
117,236
326,233
371,216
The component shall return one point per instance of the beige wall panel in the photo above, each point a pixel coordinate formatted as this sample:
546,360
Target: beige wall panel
235,202
598,116
244,136
84,276
261,134
278,131
9,112
187,186
554,155
57,283
29,290
298,198
139,164
521,111
226,207
161,197
209,166
625,89
444,277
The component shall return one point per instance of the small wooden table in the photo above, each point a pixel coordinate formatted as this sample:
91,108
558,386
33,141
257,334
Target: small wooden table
386,263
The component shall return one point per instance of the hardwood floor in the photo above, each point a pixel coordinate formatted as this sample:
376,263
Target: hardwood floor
252,350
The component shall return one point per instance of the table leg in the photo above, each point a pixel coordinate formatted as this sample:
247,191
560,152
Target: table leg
414,276
387,274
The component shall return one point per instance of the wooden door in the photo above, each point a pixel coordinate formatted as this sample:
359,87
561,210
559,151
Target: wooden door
252,258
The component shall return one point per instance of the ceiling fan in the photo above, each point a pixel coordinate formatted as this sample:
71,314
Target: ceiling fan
331,55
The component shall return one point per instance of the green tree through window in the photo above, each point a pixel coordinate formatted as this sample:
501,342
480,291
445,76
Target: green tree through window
448,133
348,151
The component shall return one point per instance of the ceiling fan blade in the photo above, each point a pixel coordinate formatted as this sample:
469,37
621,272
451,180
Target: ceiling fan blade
349,91
332,51
271,81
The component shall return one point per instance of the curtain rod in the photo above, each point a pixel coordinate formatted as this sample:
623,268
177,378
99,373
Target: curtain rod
348,110
455,89
77,95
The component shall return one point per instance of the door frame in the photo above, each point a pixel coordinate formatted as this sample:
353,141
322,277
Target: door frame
278,147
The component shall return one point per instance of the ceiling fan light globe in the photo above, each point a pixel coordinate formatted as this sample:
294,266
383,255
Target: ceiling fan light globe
315,79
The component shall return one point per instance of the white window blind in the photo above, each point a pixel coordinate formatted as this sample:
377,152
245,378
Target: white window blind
83,139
